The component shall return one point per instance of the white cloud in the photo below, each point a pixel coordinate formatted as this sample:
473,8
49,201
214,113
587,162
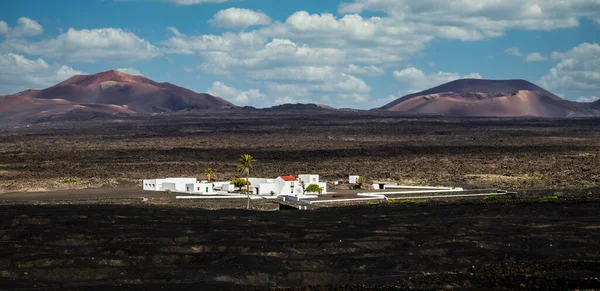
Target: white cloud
18,73
364,70
478,19
535,57
239,17
513,51
130,71
25,27
234,95
88,45
415,80
587,99
284,100
4,29
578,69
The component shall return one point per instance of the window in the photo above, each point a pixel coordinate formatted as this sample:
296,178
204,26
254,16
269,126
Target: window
198,188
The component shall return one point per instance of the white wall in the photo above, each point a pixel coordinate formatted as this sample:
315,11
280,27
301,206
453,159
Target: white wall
309,178
150,185
173,184
266,188
200,188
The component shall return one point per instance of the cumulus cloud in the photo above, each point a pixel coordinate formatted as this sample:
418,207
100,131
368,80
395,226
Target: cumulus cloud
88,45
239,18
513,51
415,80
18,73
587,99
578,69
535,57
234,95
130,71
484,18
25,27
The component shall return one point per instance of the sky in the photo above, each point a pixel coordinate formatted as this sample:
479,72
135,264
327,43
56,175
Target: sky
344,53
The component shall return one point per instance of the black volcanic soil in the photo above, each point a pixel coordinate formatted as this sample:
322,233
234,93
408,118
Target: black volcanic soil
477,152
533,246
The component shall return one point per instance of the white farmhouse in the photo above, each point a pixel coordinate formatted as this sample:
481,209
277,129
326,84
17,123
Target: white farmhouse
200,188
283,185
172,184
309,179
288,185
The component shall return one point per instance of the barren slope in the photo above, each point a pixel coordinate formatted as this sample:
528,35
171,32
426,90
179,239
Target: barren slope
139,93
504,98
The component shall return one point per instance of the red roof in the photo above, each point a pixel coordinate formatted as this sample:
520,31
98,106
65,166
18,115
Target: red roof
288,178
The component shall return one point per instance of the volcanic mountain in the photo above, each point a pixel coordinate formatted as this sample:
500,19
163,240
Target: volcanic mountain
110,92
495,98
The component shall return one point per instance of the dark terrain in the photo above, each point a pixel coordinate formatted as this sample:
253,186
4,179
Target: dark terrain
121,243
114,247
475,153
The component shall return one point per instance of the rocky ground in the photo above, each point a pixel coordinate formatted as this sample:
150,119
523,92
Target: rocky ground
481,153
498,244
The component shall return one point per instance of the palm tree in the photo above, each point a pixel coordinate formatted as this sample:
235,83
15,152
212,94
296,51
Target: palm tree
244,166
210,175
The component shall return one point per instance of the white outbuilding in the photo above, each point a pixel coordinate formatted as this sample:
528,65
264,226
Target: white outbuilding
172,184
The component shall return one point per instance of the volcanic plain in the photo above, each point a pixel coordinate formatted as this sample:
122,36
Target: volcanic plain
508,243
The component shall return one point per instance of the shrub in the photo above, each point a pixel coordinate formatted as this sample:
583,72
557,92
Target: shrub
590,193
168,191
392,201
372,203
70,181
525,156
313,188
540,176
239,183
243,191
549,199
557,194
491,198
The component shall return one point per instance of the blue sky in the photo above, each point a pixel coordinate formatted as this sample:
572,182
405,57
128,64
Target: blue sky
345,53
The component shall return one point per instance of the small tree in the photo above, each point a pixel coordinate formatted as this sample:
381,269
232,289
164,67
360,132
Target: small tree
239,183
360,182
244,166
210,175
314,188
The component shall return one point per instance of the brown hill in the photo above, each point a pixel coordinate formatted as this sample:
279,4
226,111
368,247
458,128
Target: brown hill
105,93
476,97
137,92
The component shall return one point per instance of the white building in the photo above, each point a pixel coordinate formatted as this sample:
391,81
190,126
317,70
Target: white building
200,188
352,179
309,179
283,185
172,184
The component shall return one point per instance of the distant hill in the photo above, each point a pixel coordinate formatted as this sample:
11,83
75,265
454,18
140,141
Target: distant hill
105,93
478,97
595,105
300,107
